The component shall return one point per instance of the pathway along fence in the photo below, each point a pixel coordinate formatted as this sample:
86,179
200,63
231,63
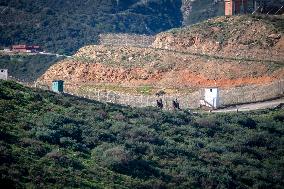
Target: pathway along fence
232,96
185,101
252,93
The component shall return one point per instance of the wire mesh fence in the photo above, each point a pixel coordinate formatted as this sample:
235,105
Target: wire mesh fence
231,96
251,93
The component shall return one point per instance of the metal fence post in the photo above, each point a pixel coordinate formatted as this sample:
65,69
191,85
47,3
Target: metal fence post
141,99
98,95
107,96
147,101
128,103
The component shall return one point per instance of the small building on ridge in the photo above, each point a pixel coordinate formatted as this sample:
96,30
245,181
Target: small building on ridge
26,48
4,74
211,98
58,86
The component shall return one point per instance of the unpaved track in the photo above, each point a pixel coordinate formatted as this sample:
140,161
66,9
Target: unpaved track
253,106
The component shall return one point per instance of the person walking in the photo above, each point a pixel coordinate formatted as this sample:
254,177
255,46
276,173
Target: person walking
160,103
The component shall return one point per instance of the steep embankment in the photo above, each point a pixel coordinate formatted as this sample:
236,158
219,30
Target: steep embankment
136,66
187,57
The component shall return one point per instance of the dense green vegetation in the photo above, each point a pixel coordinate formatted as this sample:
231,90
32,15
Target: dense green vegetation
27,68
49,140
65,26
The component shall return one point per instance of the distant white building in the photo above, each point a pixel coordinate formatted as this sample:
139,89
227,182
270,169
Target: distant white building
7,50
211,97
4,74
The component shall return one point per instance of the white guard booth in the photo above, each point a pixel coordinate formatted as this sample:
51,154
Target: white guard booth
211,97
4,74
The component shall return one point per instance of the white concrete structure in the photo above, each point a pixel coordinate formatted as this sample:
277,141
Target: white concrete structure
4,74
7,50
211,97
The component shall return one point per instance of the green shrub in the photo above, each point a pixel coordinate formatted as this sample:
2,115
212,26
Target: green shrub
87,144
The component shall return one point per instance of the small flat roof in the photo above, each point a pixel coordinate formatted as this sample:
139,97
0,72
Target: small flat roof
211,87
57,81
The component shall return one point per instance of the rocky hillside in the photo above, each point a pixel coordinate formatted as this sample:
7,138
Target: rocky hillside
160,68
185,58
258,37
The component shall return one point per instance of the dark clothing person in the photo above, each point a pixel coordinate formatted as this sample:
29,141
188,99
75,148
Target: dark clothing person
176,104
160,103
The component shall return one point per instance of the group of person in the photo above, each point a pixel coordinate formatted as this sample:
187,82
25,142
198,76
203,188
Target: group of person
175,104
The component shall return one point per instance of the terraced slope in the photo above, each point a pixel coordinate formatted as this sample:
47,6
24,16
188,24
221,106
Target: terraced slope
185,58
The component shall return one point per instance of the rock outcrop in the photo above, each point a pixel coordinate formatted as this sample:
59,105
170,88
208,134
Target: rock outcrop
240,36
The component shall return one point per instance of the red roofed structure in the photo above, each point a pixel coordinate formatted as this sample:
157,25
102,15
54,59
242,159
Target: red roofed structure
26,48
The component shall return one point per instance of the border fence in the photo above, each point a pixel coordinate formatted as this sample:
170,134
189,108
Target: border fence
230,96
185,101
251,93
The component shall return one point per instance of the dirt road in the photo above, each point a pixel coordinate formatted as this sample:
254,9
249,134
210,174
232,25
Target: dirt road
253,106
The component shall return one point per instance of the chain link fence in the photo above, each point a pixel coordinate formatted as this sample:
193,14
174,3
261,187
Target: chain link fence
231,96
251,93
